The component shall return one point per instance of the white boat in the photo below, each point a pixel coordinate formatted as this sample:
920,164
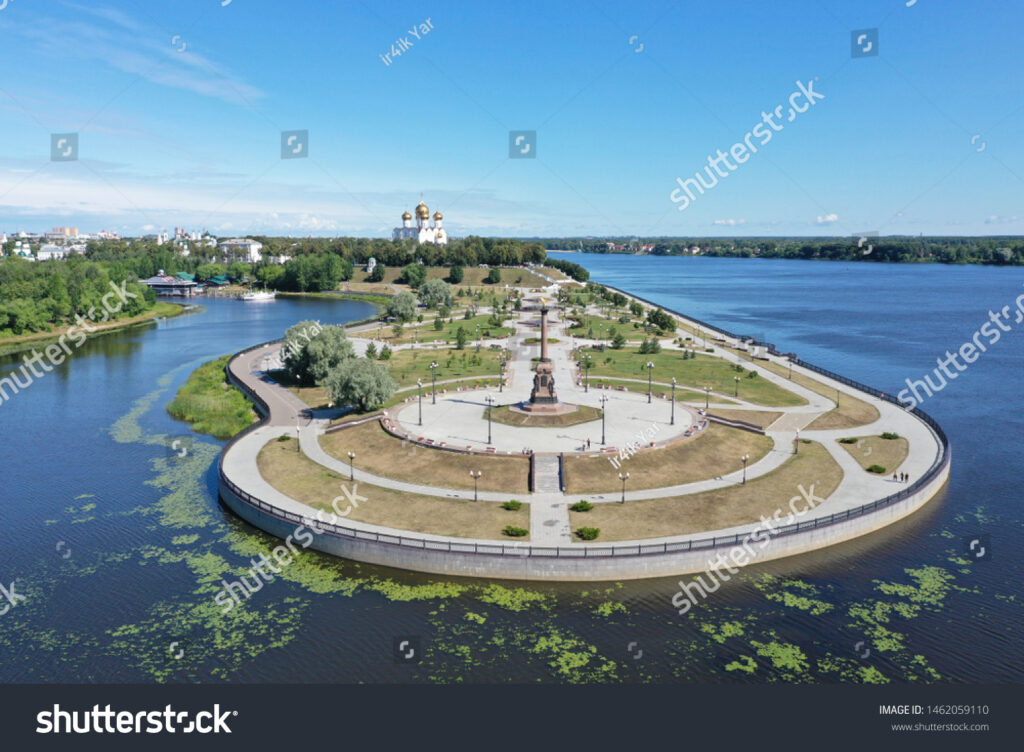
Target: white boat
258,295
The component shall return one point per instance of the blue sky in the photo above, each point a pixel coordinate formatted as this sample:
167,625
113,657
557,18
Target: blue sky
192,138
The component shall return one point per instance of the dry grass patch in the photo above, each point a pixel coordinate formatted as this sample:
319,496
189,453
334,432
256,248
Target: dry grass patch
714,510
715,452
851,412
380,453
297,476
761,418
874,450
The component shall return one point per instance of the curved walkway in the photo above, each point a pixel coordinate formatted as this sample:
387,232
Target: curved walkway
549,512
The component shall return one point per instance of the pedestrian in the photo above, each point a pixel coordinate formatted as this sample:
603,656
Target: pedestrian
588,443
895,477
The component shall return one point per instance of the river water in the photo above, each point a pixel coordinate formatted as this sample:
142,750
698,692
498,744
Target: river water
118,545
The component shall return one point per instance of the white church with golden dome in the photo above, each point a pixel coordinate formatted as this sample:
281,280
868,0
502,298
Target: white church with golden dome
424,231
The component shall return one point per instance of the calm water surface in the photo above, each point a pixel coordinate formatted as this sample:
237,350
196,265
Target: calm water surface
119,545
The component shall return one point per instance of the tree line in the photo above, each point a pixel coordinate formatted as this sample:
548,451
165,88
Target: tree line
994,250
37,296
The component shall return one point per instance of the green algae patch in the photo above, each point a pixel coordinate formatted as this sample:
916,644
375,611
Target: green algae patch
514,599
608,608
723,631
785,657
743,663
573,660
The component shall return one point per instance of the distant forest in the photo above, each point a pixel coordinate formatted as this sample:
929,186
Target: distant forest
996,250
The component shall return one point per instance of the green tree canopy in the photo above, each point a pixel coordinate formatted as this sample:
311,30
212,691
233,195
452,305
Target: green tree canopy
435,293
311,351
414,275
403,306
364,384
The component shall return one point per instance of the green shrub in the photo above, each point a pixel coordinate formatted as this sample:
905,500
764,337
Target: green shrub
286,437
512,506
515,532
848,440
582,506
588,533
876,469
890,435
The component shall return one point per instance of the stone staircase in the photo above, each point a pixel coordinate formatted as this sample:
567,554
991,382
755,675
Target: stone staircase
546,478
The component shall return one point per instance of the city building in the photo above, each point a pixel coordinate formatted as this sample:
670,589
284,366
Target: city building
244,249
425,231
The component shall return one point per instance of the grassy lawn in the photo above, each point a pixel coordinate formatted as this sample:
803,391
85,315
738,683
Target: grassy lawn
716,452
381,453
703,370
425,332
762,418
472,276
714,510
297,476
210,404
408,365
582,414
874,450
682,395
851,412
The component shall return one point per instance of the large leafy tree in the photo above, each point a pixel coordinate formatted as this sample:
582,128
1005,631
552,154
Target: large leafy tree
414,275
311,351
362,383
403,306
435,293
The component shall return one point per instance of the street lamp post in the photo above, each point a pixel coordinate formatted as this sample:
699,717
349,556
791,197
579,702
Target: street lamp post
707,396
419,392
736,390
587,362
490,411
351,468
650,370
796,443
298,437
745,457
475,475
604,400
791,370
433,380
501,372
623,477
672,422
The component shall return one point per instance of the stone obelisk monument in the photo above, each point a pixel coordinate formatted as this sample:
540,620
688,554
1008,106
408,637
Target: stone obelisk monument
543,397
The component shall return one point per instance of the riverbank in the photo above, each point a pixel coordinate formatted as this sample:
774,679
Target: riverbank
210,404
162,310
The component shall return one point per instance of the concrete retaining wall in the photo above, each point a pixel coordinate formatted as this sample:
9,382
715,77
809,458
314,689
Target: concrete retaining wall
578,568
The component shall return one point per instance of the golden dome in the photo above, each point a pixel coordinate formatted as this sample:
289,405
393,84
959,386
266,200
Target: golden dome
406,215
437,215
422,211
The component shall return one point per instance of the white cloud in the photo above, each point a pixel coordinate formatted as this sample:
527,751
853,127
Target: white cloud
828,219
730,222
995,219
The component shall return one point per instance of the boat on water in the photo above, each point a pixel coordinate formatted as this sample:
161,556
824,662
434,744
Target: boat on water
258,295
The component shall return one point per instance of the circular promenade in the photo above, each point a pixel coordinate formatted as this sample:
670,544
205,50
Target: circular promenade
644,429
